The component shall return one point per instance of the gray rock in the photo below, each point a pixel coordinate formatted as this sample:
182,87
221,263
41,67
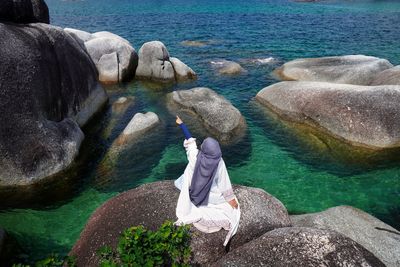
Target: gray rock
351,69
151,204
155,64
108,68
139,125
218,115
389,76
24,11
182,71
80,36
109,35
298,246
376,236
51,91
348,112
226,67
126,57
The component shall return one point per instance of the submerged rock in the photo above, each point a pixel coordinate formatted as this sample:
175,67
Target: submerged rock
122,104
51,91
151,204
156,64
348,112
226,67
139,125
376,236
194,43
298,246
115,58
389,76
25,11
352,69
217,114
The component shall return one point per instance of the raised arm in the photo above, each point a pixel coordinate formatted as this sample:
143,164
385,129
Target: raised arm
189,143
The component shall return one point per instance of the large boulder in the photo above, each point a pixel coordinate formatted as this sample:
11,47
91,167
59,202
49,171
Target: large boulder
156,64
389,76
218,115
298,246
115,58
376,236
24,11
352,69
151,204
348,112
48,90
139,125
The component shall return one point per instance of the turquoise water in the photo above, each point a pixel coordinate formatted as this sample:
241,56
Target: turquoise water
306,171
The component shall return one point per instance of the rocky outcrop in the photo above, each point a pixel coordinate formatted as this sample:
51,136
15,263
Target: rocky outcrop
298,246
24,11
155,64
389,76
216,113
139,125
48,89
352,69
348,112
226,67
376,236
151,204
116,60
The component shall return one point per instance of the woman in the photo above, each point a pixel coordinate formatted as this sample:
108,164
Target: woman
206,199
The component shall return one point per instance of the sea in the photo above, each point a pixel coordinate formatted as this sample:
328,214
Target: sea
306,170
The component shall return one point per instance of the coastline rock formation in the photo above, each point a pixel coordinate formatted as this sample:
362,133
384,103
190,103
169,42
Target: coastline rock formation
226,67
25,11
350,69
348,112
49,89
376,236
300,246
151,204
386,77
116,60
156,64
217,114
139,125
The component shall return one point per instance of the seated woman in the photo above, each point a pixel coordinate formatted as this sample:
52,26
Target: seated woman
206,198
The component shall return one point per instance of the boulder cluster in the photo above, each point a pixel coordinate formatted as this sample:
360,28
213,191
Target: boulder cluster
267,235
348,97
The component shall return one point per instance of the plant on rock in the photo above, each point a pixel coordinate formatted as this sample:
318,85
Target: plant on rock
137,246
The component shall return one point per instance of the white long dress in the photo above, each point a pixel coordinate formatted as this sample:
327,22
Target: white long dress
218,213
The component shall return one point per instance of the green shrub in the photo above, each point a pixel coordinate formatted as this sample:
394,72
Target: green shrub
52,261
137,246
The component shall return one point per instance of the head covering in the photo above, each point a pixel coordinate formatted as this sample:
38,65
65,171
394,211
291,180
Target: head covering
204,171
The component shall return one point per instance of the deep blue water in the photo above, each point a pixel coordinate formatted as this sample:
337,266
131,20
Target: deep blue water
305,175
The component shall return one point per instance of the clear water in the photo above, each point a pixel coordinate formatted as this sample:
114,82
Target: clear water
306,171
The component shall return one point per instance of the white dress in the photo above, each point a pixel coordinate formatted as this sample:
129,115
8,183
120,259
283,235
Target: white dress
218,213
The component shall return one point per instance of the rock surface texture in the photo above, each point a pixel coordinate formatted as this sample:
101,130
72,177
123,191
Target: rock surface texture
218,115
376,236
389,76
24,11
300,246
151,204
115,58
348,112
48,90
155,64
139,125
351,69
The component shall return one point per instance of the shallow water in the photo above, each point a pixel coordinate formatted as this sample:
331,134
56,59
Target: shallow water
308,172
